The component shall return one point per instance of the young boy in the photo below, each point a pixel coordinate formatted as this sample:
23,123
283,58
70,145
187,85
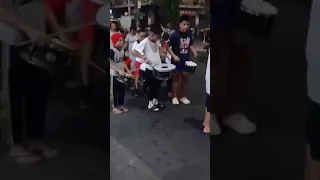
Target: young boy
117,65
181,44
148,51
138,61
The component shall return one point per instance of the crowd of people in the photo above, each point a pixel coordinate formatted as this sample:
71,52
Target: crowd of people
142,49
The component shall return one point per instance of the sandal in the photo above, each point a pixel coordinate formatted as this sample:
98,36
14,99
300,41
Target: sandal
23,156
117,110
123,109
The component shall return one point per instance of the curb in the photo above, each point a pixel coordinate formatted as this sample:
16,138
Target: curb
124,165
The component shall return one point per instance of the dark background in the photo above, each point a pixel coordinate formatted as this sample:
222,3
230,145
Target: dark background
277,101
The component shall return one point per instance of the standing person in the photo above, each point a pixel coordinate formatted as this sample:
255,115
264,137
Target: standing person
229,48
148,51
29,85
113,29
117,67
313,124
181,44
138,61
206,122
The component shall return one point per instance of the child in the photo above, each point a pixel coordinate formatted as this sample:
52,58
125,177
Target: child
149,51
138,61
117,65
181,43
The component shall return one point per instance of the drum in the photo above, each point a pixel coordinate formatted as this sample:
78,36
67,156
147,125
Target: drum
103,16
126,79
190,67
163,71
51,56
257,17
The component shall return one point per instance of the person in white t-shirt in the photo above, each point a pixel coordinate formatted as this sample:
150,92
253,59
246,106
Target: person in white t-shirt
206,122
148,51
138,61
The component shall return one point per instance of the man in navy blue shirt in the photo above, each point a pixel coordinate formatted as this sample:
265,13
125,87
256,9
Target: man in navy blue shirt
228,50
181,44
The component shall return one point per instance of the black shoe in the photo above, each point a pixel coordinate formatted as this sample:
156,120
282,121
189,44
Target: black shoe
136,93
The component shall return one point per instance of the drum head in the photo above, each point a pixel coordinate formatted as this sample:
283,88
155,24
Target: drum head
164,67
145,66
259,7
191,63
103,16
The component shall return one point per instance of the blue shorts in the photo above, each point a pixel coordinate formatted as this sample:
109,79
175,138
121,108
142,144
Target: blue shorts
208,102
179,65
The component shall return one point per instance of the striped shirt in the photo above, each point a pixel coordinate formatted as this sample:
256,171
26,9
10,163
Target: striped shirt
32,13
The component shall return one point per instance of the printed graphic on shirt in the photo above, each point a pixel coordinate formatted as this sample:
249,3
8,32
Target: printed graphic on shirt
184,45
118,56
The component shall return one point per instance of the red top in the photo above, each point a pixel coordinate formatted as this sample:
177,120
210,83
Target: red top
88,14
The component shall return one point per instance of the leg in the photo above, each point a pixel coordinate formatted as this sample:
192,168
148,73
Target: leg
36,97
169,88
219,66
176,88
137,76
84,69
17,87
237,84
184,87
152,90
115,88
313,134
121,97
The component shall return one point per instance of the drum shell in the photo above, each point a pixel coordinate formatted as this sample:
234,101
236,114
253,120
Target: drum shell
162,75
259,25
190,69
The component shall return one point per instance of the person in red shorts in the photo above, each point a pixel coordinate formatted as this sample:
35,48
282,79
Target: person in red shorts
141,36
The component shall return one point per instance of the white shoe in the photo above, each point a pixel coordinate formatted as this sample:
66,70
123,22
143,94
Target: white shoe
155,101
175,101
150,105
215,128
185,100
240,123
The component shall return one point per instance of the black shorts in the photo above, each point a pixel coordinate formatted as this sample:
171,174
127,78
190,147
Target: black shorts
313,131
208,102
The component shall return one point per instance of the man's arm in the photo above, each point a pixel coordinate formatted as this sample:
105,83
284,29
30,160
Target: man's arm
138,50
172,41
53,21
193,50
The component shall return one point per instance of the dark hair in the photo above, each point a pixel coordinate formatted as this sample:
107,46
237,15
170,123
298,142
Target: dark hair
156,29
184,18
165,36
133,27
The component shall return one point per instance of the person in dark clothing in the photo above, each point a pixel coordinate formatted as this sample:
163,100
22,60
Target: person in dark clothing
181,44
29,84
229,48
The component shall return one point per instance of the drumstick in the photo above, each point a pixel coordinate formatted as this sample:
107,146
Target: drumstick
71,29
